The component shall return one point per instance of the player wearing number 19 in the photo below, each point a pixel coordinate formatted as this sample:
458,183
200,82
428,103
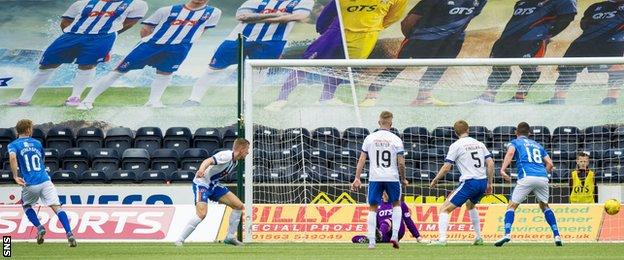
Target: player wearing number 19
387,173
27,153
533,165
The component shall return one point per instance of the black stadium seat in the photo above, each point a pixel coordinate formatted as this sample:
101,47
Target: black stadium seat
148,138
133,161
105,161
75,160
501,136
267,138
39,135
90,139
52,160
540,134
566,138
326,138
207,138
165,161
228,137
178,138
597,138
613,166
119,138
353,137
190,160
618,137
6,137
442,137
481,133
416,138
60,138
297,137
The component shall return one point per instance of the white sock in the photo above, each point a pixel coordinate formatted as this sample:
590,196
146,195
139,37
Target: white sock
190,227
397,213
41,77
82,78
371,222
443,226
209,78
474,217
234,220
101,85
158,87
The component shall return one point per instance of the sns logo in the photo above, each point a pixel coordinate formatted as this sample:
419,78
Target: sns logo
605,15
462,10
361,8
525,11
184,22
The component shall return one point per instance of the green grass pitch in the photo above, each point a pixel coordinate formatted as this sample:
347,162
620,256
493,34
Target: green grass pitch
314,251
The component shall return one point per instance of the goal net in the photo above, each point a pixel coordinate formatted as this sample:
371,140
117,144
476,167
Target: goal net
308,119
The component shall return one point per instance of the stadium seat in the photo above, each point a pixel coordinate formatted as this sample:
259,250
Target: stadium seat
207,138
326,138
412,164
566,138
6,137
75,160
613,166
261,163
228,138
501,136
5,174
148,138
39,135
190,161
318,167
123,176
618,137
61,176
596,138
284,166
119,138
442,137
416,138
90,139
60,138
134,161
105,161
181,176
481,133
178,138
344,164
353,137
52,160
297,137
429,167
267,138
540,134
164,161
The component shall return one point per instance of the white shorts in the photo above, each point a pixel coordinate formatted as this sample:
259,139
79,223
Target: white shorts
526,185
44,191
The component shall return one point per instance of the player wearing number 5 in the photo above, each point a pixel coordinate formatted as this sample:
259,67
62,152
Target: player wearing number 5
387,173
27,153
533,165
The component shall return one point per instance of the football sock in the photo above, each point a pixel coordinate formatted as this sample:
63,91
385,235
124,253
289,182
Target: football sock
41,77
290,84
509,219
552,221
396,222
474,218
330,84
234,220
32,216
443,226
385,228
209,78
82,78
190,227
101,85
62,216
371,223
158,87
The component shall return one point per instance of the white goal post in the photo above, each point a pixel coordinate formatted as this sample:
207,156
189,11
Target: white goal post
468,75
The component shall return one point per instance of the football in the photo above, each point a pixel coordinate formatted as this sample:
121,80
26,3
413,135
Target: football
612,206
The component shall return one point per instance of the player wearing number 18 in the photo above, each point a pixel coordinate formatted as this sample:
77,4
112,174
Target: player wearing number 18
533,165
387,173
27,153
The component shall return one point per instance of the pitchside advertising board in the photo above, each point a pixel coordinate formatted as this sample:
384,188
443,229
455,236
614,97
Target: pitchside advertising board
309,223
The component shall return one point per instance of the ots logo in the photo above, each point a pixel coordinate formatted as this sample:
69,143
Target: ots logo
525,11
184,22
361,8
605,15
101,14
462,10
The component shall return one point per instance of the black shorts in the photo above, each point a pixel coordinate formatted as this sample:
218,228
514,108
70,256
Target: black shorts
447,48
518,49
593,49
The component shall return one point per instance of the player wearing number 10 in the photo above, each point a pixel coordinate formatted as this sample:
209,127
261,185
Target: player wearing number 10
27,153
533,165
387,167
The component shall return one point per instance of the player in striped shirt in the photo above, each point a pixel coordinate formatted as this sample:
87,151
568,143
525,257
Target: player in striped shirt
265,25
89,31
168,35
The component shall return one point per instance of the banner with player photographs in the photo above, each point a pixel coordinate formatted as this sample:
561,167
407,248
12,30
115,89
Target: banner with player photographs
62,50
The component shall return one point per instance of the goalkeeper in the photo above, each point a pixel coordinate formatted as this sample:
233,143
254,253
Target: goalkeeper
384,224
432,29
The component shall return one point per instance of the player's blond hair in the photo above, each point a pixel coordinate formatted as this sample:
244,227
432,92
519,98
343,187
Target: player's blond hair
385,118
240,142
24,126
460,127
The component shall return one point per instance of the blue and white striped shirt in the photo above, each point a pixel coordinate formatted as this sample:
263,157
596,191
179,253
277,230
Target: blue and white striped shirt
177,24
102,16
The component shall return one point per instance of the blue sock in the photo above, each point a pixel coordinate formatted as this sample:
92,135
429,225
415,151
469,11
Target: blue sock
32,216
62,216
509,219
552,221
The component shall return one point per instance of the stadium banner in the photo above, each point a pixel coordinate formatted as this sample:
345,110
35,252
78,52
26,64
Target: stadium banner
612,227
114,223
111,194
340,222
